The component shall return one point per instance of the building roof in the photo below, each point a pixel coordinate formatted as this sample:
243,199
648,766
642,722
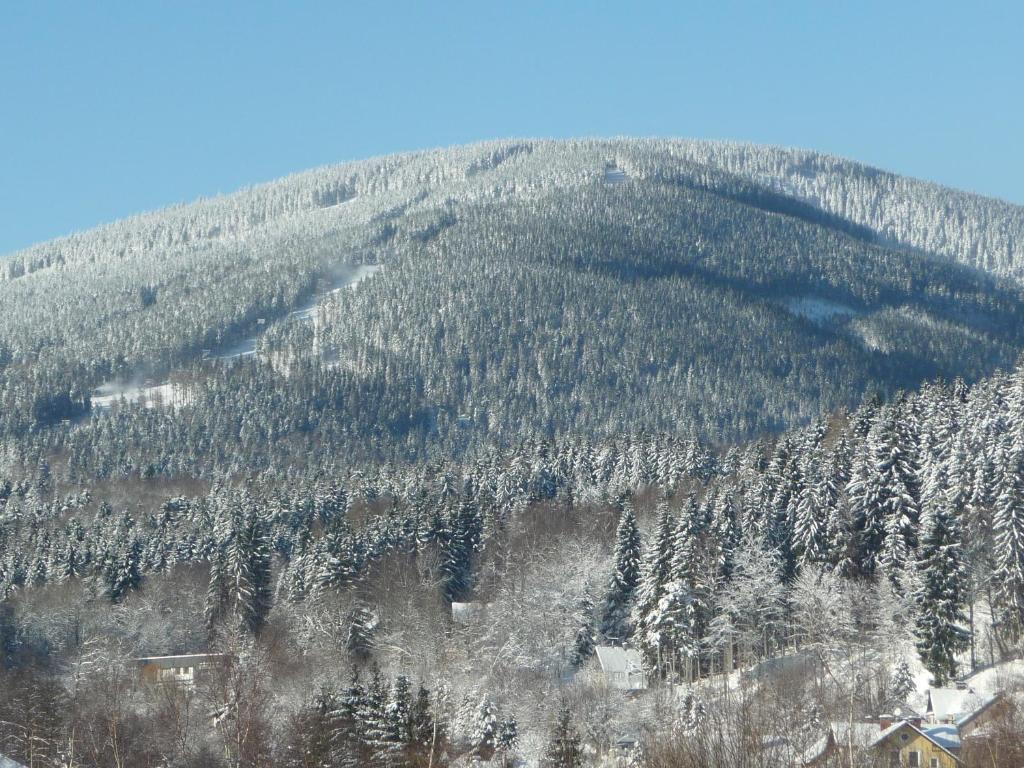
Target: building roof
946,736
951,703
615,659
466,612
185,660
864,735
892,729
6,762
966,718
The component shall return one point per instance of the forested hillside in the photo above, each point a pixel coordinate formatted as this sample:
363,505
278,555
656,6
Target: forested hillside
890,533
406,439
542,288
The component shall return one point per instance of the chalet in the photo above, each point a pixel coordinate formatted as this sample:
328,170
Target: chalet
185,670
621,668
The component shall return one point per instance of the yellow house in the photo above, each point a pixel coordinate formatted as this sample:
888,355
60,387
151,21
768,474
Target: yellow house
901,745
904,744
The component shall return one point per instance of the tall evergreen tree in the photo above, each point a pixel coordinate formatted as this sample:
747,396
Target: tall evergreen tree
625,577
940,597
563,750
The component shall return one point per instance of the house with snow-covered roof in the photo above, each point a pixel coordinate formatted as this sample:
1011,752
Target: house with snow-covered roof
7,762
900,743
947,705
621,667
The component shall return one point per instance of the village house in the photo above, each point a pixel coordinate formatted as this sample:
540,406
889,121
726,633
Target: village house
901,743
185,670
621,668
956,721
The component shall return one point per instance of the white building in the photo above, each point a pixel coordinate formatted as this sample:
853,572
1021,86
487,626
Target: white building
6,762
183,670
622,668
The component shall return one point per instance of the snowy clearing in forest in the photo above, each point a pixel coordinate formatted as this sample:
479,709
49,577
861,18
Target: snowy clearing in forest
349,280
114,393
818,310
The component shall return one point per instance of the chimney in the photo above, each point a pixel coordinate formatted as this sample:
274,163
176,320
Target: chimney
884,721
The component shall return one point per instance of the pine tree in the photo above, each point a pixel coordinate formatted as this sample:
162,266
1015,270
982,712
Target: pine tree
240,576
125,574
624,579
508,739
656,571
487,729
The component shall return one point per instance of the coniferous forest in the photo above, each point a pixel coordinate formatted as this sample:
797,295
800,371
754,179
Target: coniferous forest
406,440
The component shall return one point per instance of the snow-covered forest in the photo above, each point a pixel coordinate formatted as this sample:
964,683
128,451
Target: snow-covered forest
756,412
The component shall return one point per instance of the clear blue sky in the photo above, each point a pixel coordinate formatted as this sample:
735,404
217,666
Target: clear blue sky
111,108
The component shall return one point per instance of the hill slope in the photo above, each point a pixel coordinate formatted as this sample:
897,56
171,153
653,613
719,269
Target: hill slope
583,287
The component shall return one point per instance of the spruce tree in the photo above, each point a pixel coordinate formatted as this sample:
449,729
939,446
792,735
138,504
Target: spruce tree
625,577
1008,522
563,749
656,571
940,596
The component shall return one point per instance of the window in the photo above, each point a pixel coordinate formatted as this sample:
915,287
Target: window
914,759
934,762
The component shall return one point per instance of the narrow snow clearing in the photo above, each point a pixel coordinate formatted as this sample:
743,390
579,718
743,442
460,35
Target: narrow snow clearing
818,310
350,277
350,280
113,393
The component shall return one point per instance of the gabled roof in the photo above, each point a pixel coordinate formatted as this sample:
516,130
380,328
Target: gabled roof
947,703
896,727
6,762
966,718
615,659
869,736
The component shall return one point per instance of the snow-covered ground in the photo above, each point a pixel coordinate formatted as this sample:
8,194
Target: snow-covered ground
613,175
995,678
110,394
818,310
